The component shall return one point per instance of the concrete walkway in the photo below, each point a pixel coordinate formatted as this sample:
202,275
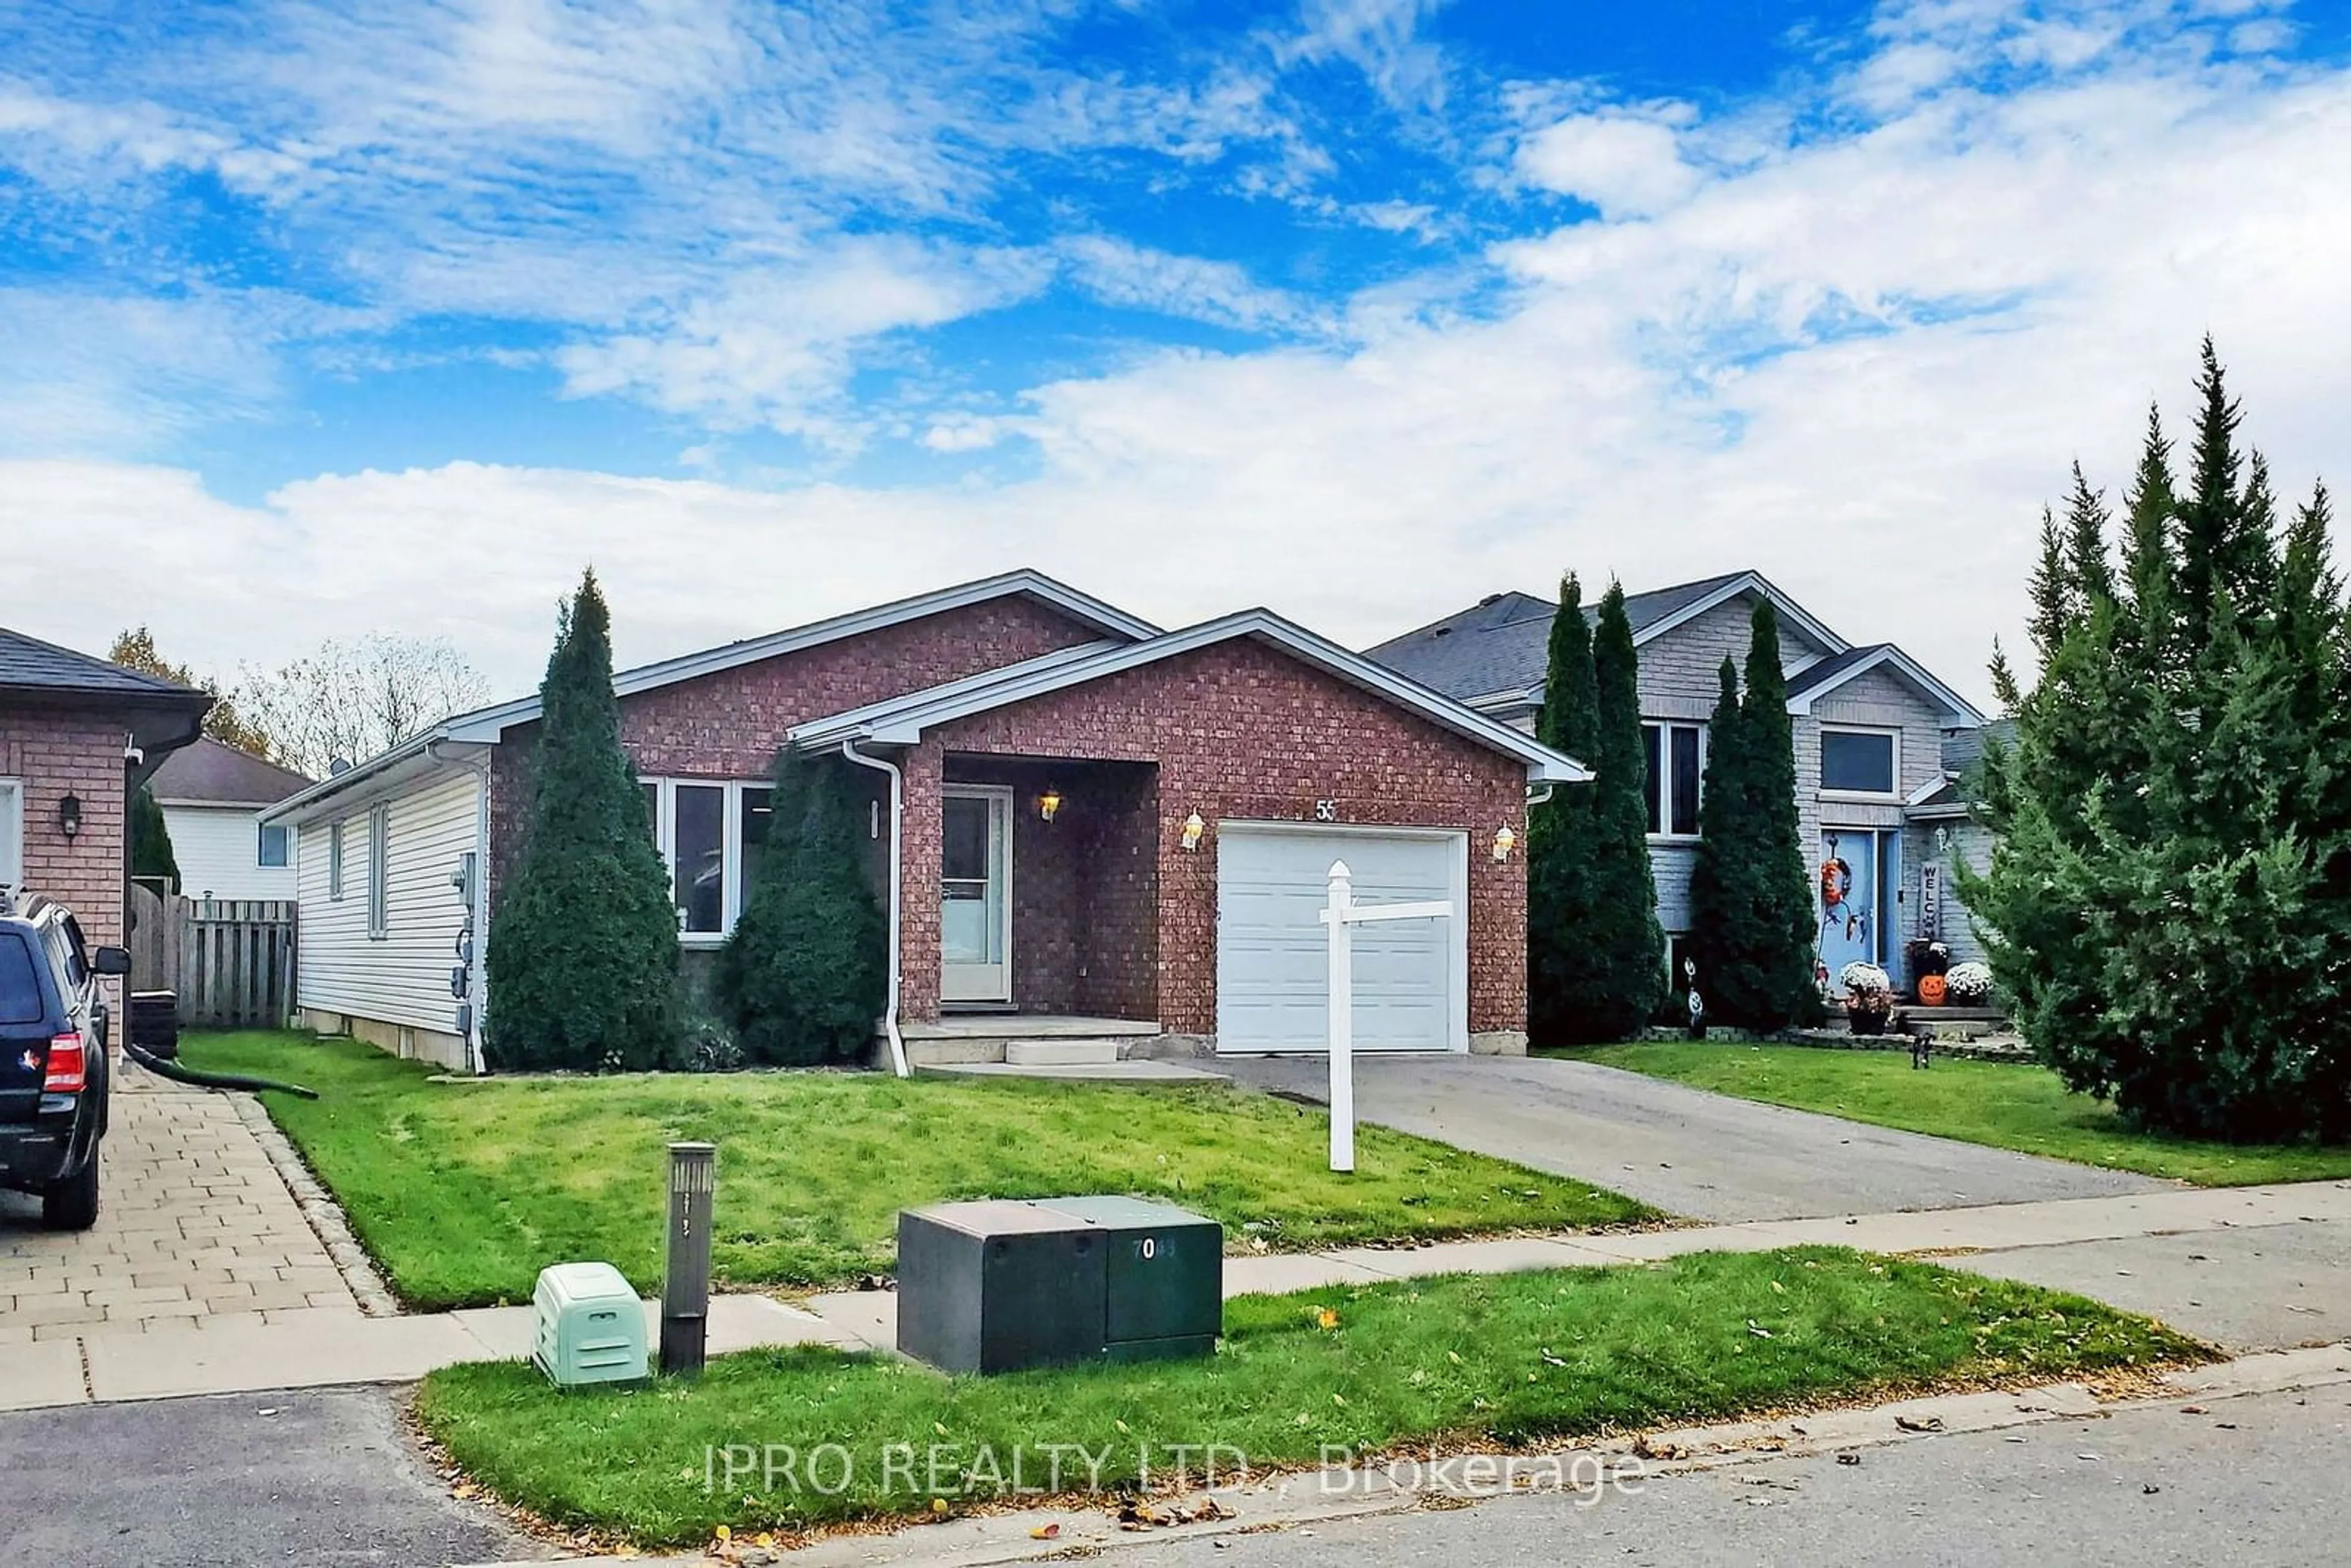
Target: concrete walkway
2310,1302
1710,1157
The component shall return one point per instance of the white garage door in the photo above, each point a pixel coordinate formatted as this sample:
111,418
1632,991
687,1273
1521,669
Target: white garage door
1272,950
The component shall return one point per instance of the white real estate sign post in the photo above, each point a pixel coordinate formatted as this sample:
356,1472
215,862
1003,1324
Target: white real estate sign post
1342,915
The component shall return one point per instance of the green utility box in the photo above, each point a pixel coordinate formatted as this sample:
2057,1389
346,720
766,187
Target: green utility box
589,1327
997,1286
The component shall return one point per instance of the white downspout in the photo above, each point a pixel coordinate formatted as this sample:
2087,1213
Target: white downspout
897,811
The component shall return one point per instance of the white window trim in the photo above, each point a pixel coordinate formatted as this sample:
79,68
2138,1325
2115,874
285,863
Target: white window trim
261,832
730,832
1665,786
1893,733
379,887
335,861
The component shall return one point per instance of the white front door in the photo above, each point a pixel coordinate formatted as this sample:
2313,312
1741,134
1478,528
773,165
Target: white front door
1273,954
976,893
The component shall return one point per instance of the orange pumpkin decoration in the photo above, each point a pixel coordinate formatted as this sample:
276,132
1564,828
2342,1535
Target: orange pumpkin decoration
1931,989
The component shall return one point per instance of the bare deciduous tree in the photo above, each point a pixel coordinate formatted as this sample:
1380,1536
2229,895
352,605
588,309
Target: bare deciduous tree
350,700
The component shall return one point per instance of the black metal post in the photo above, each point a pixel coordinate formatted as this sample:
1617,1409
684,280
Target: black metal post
686,1280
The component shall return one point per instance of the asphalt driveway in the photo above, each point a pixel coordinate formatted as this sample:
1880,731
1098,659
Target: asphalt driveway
1688,1152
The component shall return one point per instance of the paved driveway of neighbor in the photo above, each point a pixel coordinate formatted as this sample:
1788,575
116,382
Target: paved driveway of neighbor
195,1228
1688,1152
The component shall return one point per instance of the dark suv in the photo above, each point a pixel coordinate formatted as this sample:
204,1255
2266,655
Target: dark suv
52,1068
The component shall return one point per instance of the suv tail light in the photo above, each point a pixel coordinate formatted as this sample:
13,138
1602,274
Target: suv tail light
68,1072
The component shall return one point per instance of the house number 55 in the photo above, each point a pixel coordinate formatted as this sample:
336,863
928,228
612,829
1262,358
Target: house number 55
1326,811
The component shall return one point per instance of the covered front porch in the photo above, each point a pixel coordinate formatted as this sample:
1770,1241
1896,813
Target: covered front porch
1045,892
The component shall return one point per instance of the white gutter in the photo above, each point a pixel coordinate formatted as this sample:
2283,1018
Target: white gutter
897,836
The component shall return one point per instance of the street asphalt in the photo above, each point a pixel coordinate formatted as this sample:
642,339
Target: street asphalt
1688,1152
2249,1479
319,1479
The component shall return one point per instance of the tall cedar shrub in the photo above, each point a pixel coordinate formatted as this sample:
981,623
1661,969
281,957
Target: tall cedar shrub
807,971
1596,953
1626,946
150,839
2169,901
1752,917
1560,872
1786,928
583,953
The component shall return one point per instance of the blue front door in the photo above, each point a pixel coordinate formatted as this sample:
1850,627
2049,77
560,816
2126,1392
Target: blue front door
1851,878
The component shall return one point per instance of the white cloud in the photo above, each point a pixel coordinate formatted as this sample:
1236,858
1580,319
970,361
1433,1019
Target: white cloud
1382,40
1628,165
1858,352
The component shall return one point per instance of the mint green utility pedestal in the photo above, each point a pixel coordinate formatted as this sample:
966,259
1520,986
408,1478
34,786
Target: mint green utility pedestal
590,1327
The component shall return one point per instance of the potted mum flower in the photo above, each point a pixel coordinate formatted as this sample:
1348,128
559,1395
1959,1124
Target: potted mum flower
1868,997
1969,985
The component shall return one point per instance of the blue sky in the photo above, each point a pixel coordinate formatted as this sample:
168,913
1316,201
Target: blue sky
389,317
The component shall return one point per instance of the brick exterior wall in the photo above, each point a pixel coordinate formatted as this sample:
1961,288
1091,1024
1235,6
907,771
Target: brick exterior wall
729,724
52,753
1239,730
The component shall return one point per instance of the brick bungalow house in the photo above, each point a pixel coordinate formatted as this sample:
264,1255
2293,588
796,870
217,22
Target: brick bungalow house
77,735
1106,838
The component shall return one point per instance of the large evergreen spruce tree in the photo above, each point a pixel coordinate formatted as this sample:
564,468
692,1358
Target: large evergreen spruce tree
1752,917
583,951
806,972
2171,899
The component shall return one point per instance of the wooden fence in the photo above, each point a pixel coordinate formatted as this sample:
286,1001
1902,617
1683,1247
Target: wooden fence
231,960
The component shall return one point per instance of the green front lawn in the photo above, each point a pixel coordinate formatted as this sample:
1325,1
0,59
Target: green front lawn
2010,1105
1458,1360
464,1191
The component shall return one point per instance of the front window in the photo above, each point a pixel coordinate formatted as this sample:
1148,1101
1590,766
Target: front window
1858,761
711,835
1675,757
274,844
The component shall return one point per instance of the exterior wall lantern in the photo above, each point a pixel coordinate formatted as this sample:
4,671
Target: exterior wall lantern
1193,829
1049,804
70,815
1505,840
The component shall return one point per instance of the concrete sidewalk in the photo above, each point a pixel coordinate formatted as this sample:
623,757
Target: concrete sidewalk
2045,1242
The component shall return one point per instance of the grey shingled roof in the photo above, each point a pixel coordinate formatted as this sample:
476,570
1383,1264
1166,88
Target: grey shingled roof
31,666
1503,642
221,774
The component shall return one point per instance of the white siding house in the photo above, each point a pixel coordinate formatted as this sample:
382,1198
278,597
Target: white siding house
213,796
388,885
223,852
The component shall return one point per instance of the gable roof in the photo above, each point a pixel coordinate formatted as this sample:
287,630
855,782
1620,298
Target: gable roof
1500,648
901,721
211,773
487,725
31,667
1815,682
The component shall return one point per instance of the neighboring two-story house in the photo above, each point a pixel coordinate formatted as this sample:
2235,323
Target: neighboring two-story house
213,796
1871,728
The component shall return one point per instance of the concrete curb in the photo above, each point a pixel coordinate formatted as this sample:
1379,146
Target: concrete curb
320,1210
1300,1500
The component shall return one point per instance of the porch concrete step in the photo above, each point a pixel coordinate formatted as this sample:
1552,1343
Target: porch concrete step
1059,1052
